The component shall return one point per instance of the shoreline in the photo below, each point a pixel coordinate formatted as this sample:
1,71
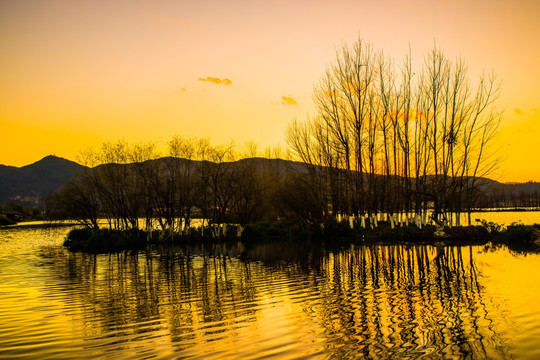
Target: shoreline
41,223
519,238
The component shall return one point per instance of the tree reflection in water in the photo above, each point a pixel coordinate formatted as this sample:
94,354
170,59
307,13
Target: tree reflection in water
372,301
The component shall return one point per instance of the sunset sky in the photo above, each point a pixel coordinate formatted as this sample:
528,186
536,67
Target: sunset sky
74,74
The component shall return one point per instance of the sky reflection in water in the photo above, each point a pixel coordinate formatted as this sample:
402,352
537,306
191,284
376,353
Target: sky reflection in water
299,301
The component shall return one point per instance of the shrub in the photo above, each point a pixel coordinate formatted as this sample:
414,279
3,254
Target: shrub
4,220
281,229
518,233
492,227
334,229
105,240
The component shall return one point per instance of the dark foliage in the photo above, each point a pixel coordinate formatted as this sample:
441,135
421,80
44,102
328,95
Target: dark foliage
520,238
4,220
283,229
105,240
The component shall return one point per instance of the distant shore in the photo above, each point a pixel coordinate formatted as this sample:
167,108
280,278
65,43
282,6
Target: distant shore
506,210
40,223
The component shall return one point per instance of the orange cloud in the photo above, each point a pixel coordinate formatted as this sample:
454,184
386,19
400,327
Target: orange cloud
216,81
286,100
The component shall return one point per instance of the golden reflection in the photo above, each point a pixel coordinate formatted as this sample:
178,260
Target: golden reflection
407,301
370,301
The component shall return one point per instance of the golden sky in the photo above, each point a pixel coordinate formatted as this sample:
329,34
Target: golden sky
76,73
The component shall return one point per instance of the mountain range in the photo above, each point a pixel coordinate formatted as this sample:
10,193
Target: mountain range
29,185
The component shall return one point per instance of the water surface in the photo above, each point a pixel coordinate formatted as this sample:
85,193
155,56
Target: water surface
269,301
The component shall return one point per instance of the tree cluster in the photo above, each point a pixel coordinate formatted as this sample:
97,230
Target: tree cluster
397,141
133,186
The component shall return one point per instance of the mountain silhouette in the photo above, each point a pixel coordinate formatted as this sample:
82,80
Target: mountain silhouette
29,184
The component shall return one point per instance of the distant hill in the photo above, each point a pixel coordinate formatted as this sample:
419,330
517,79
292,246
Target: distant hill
517,188
29,184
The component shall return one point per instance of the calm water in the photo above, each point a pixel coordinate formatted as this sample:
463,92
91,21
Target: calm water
265,302
504,217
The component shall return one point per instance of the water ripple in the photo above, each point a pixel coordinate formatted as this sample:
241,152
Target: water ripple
376,302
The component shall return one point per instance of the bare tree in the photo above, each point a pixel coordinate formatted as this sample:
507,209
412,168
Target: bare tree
391,144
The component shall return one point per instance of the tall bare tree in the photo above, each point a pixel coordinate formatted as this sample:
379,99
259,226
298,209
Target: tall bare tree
394,144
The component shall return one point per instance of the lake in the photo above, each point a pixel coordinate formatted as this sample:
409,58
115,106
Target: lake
266,301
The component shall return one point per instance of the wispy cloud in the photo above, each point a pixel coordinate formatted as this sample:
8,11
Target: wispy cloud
216,81
518,111
287,100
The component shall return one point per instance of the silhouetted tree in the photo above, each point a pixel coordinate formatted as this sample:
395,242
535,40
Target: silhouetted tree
391,144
